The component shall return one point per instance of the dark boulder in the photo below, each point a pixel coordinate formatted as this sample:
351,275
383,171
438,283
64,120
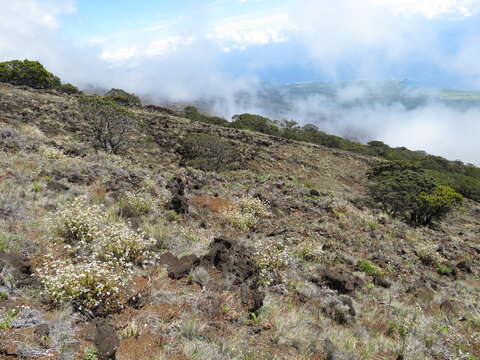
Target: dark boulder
341,280
182,267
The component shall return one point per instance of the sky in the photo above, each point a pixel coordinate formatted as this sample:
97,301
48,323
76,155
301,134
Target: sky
431,42
184,50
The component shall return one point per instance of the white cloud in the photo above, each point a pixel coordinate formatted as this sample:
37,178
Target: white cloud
230,33
154,48
23,22
245,31
432,8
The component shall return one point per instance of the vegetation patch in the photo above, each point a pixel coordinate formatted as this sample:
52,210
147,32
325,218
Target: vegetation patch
90,287
209,153
369,268
247,213
123,98
28,73
405,190
109,123
89,234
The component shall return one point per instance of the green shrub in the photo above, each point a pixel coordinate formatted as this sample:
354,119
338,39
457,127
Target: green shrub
209,153
404,189
90,354
68,89
28,73
435,205
110,124
192,113
396,186
255,123
444,270
122,97
369,268
135,204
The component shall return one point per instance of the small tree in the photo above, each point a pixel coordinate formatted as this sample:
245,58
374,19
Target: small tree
69,89
436,205
255,123
122,97
29,73
109,123
208,152
192,113
404,189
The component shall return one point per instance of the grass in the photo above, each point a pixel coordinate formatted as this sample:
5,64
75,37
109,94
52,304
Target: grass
369,268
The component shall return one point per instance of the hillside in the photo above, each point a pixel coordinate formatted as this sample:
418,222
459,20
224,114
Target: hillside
273,255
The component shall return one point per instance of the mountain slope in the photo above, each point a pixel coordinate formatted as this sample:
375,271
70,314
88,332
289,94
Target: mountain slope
275,258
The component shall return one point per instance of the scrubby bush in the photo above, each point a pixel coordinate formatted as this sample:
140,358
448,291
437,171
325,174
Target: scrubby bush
98,258
270,259
428,253
78,221
406,190
368,268
120,245
89,287
208,152
435,205
110,124
192,113
69,89
255,123
89,234
122,97
28,73
136,204
247,213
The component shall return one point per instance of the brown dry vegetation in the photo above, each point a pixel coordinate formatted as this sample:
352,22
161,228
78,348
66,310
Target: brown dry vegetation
317,275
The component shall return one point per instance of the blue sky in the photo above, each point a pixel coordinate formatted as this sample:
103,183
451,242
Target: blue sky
261,37
431,42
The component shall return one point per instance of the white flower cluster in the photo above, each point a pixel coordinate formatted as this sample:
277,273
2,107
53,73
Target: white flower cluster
428,253
78,221
88,285
140,203
32,131
104,255
246,215
51,153
270,260
86,229
121,245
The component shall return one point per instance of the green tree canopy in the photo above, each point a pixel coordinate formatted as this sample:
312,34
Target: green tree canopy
404,189
28,73
255,123
122,97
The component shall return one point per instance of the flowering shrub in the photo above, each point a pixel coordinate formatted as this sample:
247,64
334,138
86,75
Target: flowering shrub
136,204
79,222
121,245
270,260
85,227
427,252
246,215
51,153
91,286
309,251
